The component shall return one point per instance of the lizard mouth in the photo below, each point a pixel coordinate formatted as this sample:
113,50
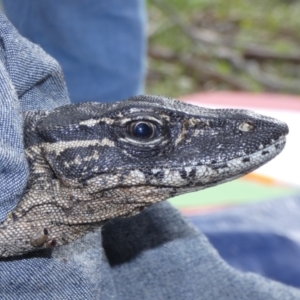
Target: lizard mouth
245,164
177,181
211,175
196,177
166,182
255,159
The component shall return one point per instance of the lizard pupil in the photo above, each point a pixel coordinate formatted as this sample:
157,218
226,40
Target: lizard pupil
143,130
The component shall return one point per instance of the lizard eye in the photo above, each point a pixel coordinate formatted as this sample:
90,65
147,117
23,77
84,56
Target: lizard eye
142,129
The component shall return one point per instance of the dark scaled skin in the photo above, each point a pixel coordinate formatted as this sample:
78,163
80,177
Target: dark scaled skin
93,162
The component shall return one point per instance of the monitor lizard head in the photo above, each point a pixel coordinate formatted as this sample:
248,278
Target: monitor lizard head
92,162
156,141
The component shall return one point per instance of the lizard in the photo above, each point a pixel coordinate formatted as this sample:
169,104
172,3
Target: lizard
92,162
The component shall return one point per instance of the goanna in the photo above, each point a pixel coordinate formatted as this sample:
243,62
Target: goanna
92,162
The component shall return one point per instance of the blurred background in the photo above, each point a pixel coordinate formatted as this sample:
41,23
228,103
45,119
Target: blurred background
248,45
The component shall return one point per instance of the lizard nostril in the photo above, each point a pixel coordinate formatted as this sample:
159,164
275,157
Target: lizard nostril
246,126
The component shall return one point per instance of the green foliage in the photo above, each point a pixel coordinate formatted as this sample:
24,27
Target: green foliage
271,25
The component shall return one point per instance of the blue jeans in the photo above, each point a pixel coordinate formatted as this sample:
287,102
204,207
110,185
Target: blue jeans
100,44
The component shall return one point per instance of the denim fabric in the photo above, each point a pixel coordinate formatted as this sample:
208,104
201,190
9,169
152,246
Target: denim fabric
100,44
154,255
263,238
163,257
30,79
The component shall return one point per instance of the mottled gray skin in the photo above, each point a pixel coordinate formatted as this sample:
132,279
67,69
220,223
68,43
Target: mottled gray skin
87,164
